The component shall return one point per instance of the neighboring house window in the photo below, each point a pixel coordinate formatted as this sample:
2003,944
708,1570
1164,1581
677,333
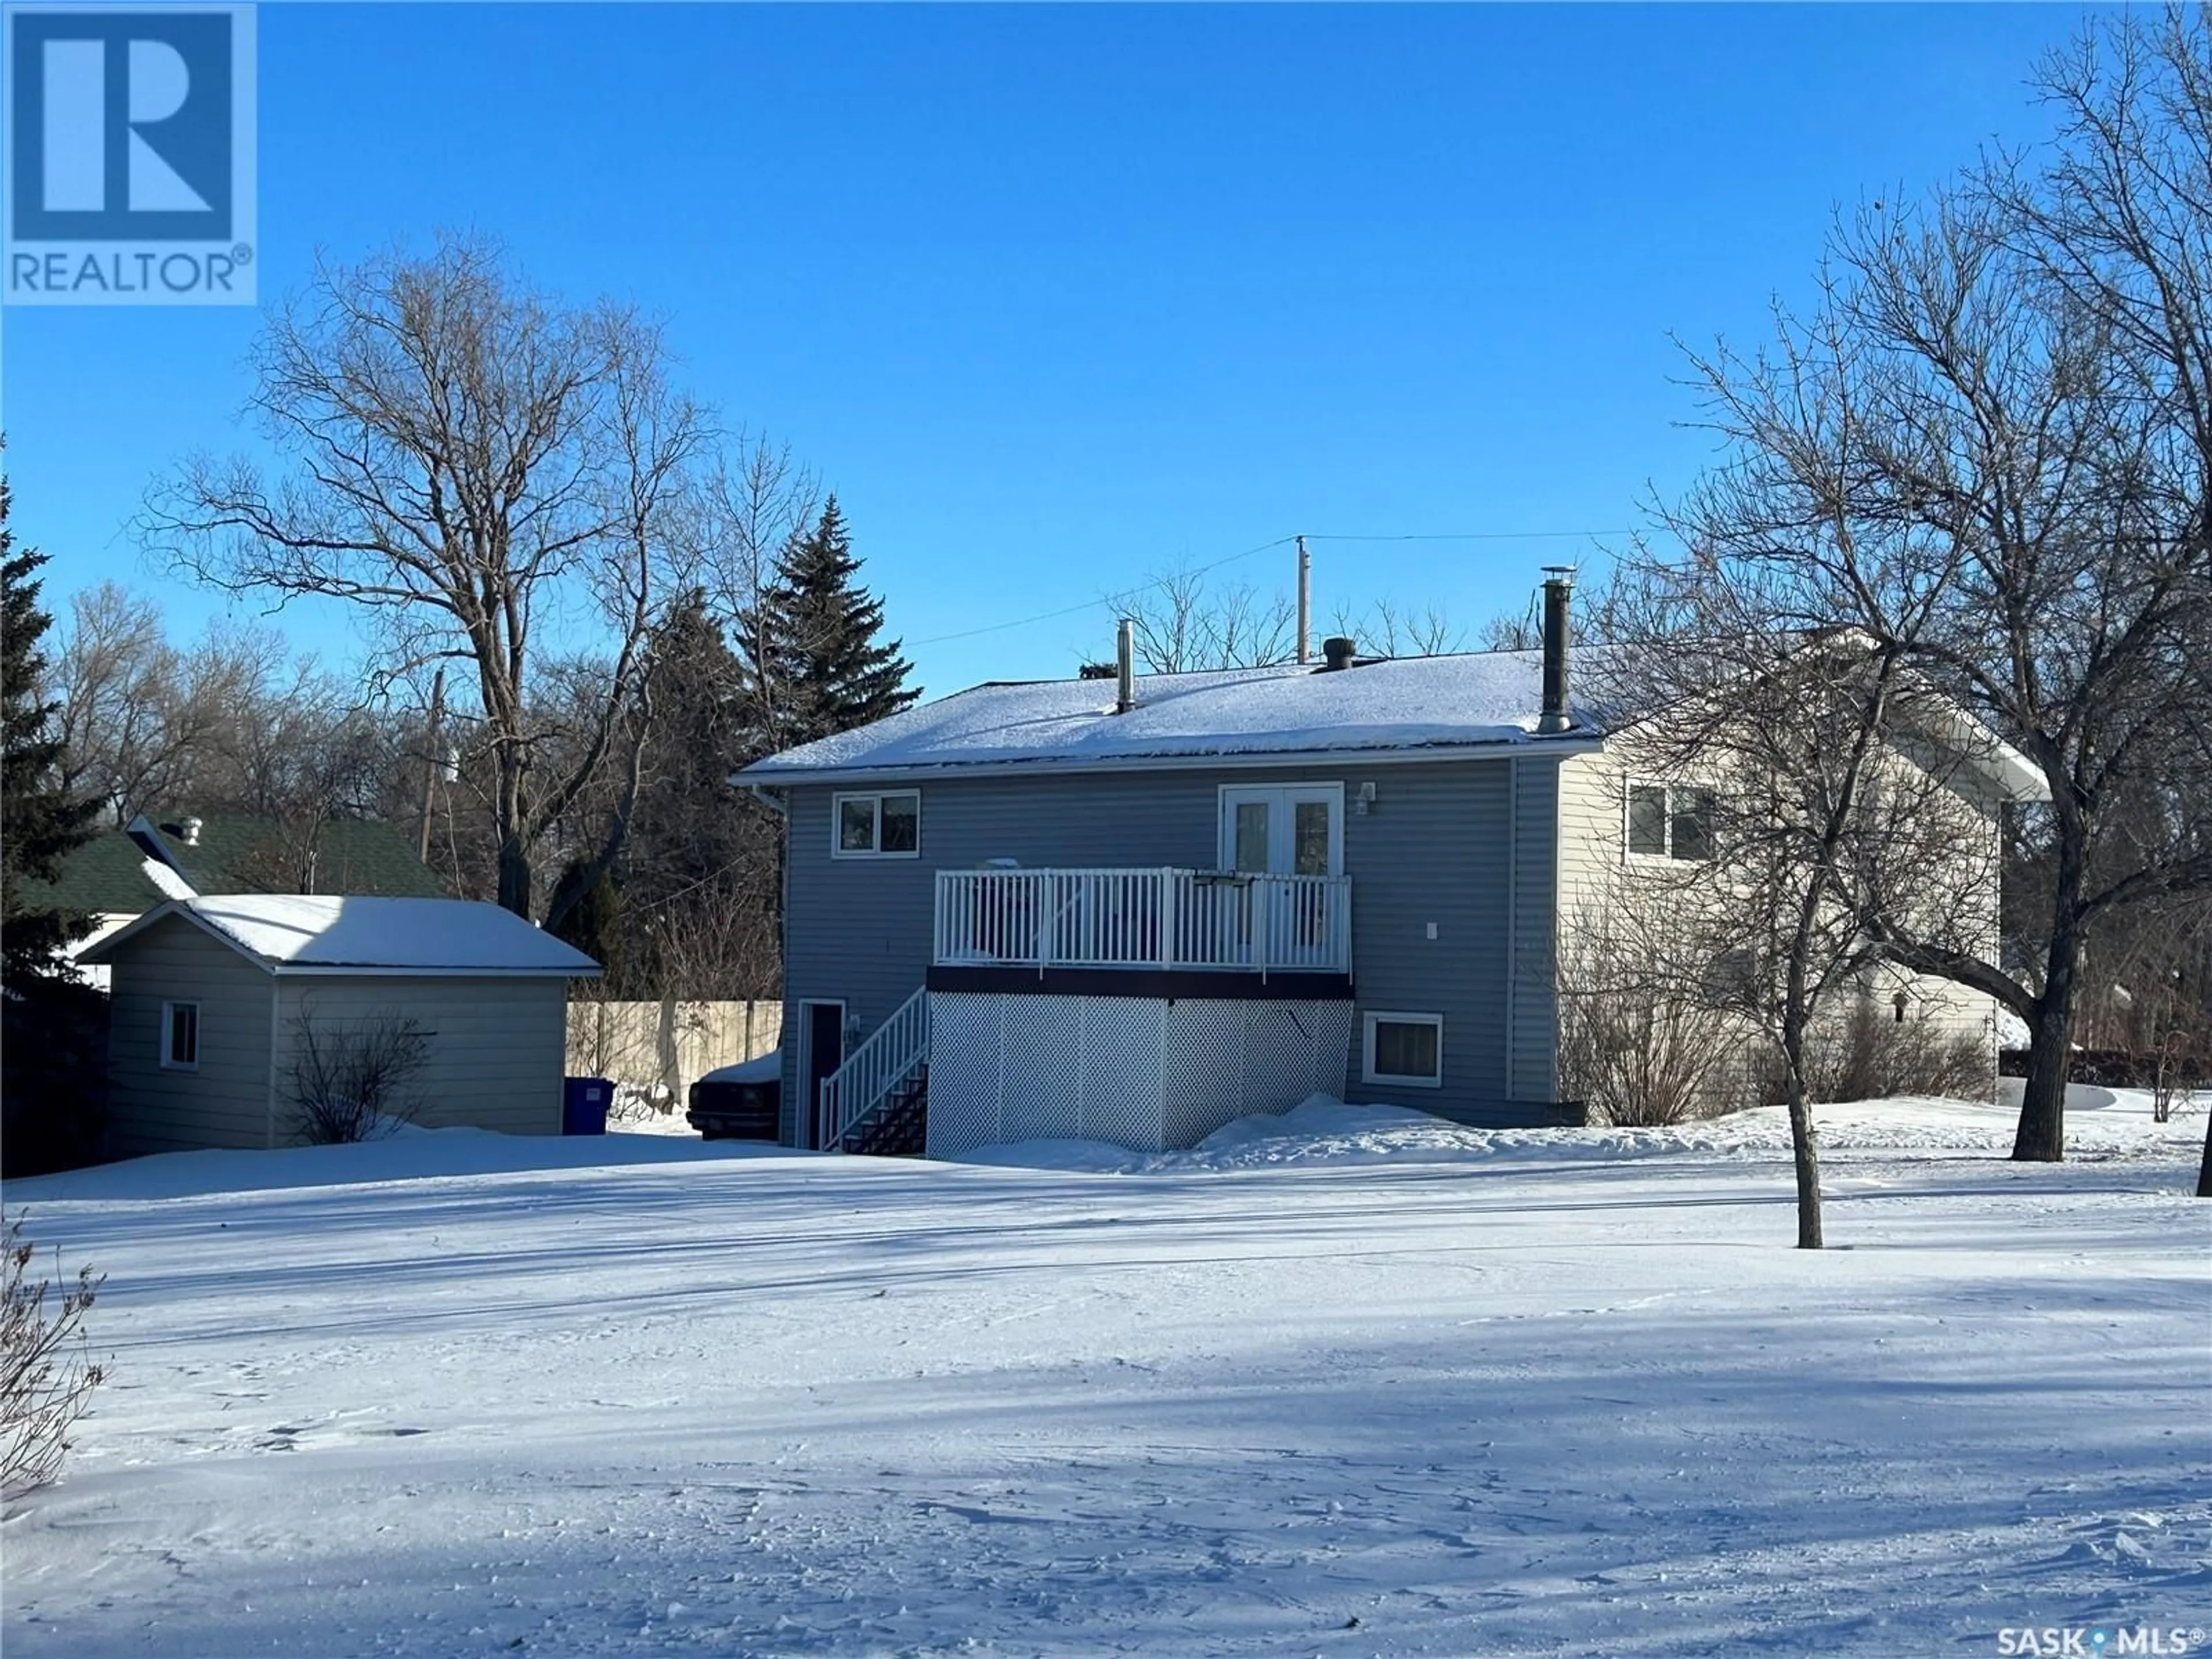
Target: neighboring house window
1669,821
1404,1048
180,1036
887,826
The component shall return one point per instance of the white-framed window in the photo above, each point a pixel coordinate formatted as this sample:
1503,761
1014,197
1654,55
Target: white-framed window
1668,821
887,825
1405,1049
180,1036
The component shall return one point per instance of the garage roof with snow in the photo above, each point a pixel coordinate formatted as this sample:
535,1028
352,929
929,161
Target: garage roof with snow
334,935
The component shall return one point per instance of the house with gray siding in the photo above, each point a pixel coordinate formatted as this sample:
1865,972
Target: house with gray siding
213,998
1135,910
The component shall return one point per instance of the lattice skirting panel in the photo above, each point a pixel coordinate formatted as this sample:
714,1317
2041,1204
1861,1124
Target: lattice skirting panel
1230,1059
1146,1074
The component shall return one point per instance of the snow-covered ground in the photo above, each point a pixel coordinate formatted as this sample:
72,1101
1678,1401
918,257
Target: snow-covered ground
1351,1383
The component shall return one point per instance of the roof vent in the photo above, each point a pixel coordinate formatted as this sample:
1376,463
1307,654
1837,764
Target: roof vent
192,829
1338,651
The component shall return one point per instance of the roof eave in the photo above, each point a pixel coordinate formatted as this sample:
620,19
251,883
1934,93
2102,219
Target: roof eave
1575,741
103,952
386,970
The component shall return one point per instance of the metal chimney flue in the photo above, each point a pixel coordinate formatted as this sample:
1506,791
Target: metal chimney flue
1559,590
1125,667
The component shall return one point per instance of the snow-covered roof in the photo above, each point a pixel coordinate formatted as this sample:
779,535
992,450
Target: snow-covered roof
1408,703
329,934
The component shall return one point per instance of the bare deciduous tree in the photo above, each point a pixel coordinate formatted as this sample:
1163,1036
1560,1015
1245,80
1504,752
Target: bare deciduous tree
1818,788
1182,624
473,464
755,502
145,723
1597,619
2009,393
1389,628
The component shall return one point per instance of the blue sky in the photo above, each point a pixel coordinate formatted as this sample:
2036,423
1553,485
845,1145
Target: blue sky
1056,297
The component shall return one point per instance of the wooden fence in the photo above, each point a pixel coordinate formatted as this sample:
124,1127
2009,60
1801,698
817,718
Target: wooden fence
656,1050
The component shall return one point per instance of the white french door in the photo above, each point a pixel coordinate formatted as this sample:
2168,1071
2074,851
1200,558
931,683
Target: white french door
1283,830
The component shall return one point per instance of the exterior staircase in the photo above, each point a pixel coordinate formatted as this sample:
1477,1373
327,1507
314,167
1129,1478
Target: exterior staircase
877,1102
899,1127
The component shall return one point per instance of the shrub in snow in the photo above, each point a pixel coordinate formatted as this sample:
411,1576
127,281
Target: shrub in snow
1641,1044
47,1378
356,1081
1873,1054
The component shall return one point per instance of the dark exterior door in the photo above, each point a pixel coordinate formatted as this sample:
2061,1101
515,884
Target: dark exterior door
825,1053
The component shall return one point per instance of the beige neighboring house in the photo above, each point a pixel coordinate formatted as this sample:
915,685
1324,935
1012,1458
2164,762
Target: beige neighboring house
212,996
1628,832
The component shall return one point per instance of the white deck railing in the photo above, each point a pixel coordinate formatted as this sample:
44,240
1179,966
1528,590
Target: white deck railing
892,1053
1139,918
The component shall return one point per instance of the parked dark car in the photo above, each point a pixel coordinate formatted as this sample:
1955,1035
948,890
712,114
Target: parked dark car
739,1103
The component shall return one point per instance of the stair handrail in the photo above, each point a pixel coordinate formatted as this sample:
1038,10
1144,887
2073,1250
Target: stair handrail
871,1073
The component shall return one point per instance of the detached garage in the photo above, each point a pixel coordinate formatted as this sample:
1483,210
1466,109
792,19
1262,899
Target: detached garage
226,1008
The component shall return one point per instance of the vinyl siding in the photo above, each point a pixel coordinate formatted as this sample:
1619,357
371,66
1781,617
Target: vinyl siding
1435,848
1532,1061
225,1101
497,1046
1594,865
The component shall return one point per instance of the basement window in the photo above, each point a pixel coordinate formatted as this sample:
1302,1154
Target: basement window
180,1036
876,826
1670,821
1405,1049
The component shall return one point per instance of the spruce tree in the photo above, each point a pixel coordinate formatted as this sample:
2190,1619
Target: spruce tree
39,824
815,666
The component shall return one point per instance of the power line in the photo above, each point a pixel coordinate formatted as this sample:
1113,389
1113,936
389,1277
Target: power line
1279,541
1481,536
1103,599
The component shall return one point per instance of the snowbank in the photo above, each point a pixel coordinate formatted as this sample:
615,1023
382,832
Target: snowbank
1322,1131
2102,1124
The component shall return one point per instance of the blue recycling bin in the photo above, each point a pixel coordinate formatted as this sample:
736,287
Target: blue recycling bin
584,1105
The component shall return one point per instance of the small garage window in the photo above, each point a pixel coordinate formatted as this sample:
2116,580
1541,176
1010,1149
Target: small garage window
1407,1048
180,1036
886,826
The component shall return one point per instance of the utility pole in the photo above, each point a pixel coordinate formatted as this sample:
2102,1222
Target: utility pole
1305,598
432,761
